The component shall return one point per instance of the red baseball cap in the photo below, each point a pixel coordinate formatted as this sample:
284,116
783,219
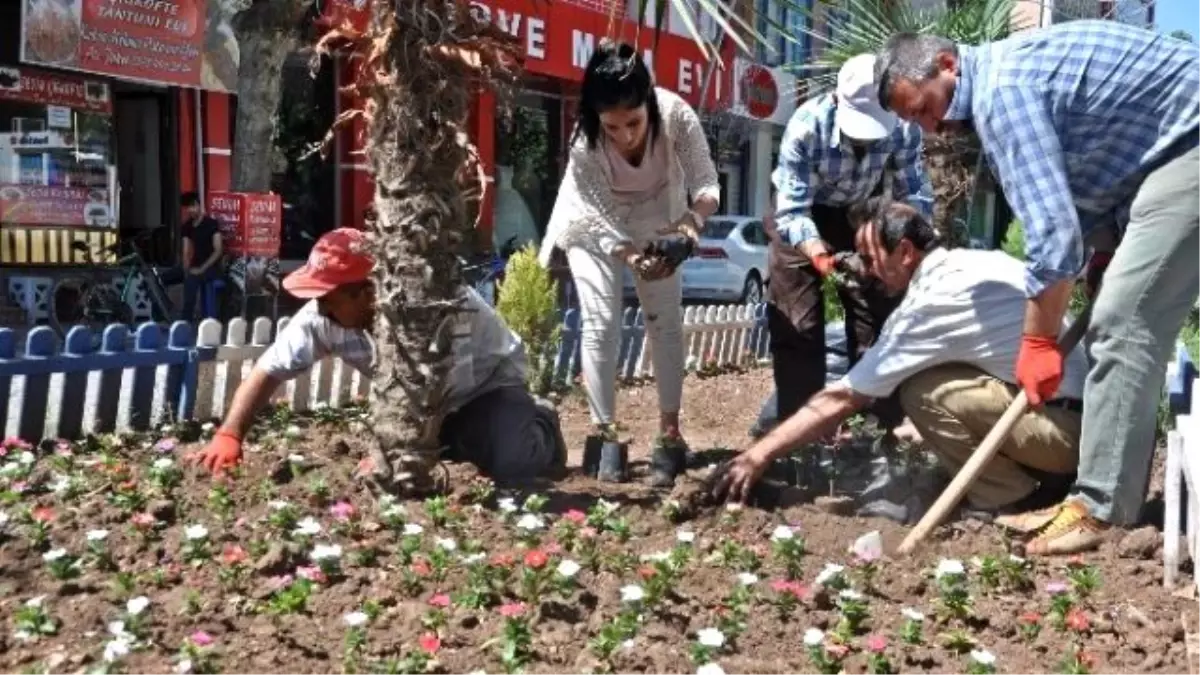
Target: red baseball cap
339,257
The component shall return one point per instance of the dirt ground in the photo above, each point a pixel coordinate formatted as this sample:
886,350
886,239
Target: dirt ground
474,583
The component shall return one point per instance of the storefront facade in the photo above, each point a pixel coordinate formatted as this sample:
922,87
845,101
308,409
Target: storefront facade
99,139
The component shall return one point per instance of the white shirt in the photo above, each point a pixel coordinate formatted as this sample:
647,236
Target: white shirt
487,355
962,306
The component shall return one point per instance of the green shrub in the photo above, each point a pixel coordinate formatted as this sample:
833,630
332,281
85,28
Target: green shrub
528,303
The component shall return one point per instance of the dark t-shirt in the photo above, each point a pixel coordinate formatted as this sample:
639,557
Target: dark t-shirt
201,234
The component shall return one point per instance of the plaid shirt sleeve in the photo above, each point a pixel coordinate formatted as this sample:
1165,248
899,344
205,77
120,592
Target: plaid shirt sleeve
1024,149
911,183
795,179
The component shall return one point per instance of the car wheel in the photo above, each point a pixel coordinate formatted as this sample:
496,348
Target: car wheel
752,290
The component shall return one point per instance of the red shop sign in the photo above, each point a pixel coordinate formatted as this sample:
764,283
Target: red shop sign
52,205
557,38
250,222
30,85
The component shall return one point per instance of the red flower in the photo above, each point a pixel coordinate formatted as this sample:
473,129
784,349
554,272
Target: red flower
430,643
647,572
441,600
421,568
876,643
502,560
1078,621
233,554
793,588
553,548
575,516
536,559
1030,618
43,514
512,610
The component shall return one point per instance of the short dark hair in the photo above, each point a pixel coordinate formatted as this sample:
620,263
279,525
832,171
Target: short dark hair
896,221
867,210
189,199
615,77
908,56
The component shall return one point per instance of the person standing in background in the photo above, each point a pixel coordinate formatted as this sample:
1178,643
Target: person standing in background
201,257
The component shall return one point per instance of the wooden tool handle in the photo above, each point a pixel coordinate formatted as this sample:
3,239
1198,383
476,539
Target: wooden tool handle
986,450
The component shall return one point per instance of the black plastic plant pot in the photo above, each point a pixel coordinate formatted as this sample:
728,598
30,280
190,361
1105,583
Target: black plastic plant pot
591,455
614,462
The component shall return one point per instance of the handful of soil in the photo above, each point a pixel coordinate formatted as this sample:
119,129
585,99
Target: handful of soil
695,495
672,251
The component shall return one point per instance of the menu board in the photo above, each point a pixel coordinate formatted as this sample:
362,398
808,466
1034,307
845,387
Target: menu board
251,222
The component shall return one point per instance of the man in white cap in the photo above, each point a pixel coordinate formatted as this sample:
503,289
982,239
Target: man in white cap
839,149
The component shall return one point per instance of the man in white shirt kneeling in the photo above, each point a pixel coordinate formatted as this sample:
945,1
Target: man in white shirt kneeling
492,422
949,347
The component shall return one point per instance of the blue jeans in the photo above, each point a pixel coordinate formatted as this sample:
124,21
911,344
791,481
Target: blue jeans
193,286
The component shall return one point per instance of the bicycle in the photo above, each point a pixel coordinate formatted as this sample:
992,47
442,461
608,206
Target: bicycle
93,299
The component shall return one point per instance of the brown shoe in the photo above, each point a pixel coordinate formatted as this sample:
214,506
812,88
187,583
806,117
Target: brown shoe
1072,530
1029,521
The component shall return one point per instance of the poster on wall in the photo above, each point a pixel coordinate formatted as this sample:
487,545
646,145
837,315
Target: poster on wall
43,205
251,228
187,43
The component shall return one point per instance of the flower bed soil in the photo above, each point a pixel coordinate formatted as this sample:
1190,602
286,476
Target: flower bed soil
1127,623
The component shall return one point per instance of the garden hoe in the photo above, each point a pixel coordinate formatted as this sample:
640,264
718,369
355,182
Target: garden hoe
986,450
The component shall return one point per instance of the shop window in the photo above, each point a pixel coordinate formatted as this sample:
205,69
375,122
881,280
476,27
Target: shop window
56,150
528,144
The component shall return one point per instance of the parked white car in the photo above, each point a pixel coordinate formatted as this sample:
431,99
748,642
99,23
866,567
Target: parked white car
730,264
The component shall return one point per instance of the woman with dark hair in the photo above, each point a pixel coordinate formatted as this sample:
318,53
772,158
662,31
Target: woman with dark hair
638,156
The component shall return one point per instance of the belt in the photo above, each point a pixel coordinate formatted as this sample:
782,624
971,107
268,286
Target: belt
1070,404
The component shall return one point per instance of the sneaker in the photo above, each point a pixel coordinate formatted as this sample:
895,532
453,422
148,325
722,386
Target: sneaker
668,459
1072,530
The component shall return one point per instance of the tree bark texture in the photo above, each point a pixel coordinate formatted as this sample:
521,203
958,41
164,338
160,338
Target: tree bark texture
423,61
951,159
267,31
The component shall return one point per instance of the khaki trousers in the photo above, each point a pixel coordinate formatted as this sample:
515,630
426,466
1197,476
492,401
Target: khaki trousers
955,406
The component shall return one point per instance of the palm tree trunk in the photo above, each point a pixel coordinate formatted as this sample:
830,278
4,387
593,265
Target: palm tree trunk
951,159
424,60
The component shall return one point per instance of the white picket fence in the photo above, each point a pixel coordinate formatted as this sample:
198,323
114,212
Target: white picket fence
1181,492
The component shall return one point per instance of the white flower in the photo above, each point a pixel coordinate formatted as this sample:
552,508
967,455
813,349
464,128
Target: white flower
447,544
97,535
659,556
710,669
983,657
733,507
685,536
60,484
530,522
293,431
207,426
632,593
507,504
137,605
850,594
307,527
355,619
116,648
607,507
783,533
413,529
326,552
950,567
747,579
195,532
710,637
54,554
167,429
22,635
183,667
912,614
35,601
26,457
279,505
829,573
163,463
117,629
296,458
813,637
1016,559
568,568
868,547
4,517
473,558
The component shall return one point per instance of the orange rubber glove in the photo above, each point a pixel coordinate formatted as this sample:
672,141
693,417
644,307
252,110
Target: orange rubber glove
223,452
823,263
1039,367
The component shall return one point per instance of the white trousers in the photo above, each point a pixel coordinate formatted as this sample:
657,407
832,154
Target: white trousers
598,284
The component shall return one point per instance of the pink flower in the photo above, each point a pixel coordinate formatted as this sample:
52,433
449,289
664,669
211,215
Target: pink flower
553,548
201,639
43,514
512,610
166,445
588,533
342,511
575,516
536,559
20,487
1056,587
421,568
233,555
14,443
793,588
143,521
441,600
876,643
279,582
430,643
312,573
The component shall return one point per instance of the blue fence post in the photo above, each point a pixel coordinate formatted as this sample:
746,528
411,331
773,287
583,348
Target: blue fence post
569,338
39,346
140,406
8,353
1179,387
181,374
108,399
77,349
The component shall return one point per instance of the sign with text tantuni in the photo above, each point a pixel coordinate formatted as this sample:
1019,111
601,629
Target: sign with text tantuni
187,43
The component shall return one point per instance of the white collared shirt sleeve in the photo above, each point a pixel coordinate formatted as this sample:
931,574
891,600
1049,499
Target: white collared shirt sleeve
487,353
309,337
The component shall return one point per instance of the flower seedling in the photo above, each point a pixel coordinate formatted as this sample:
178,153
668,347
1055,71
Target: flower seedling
97,544
826,658
38,531
135,615
867,551
146,525
291,596
118,646
196,654
958,641
328,557
355,640
982,661
441,513
127,497
1076,661
410,542
391,514
955,599
1030,626
282,517
516,639
1016,573
1077,621
789,550
196,548
735,611
709,642
671,510
853,611
233,569
832,577
435,617
787,596
32,619
529,529
63,566
877,660
346,519
1084,578
124,583
318,491
1061,603
164,474
910,630
732,514
988,570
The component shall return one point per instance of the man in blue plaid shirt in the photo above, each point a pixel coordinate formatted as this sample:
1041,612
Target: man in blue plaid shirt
1086,124
838,150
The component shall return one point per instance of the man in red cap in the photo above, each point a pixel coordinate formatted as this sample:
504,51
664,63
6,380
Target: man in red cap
493,421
